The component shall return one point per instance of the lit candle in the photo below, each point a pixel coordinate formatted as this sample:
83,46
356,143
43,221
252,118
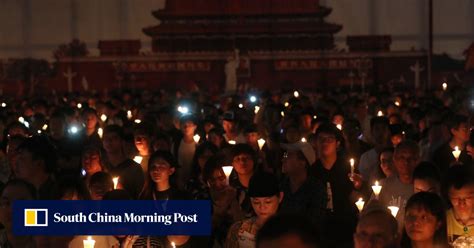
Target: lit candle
445,86
89,242
232,142
397,103
115,180
339,126
129,114
360,204
393,210
4,105
138,159
21,119
241,105
196,138
79,105
103,117
257,108
282,113
227,171
380,113
456,153
138,121
287,104
303,140
376,188
260,142
173,245
315,117
296,94
352,162
45,126
100,132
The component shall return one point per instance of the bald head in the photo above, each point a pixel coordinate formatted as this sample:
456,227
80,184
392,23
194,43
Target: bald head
376,229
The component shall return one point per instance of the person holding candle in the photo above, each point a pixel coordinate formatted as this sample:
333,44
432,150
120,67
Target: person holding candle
99,184
332,169
91,122
244,162
196,185
117,164
385,168
90,161
425,222
184,148
224,199
458,126
354,146
231,129
158,186
265,197
142,135
397,189
459,189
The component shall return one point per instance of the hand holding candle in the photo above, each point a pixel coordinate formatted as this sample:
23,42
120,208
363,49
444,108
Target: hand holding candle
376,188
100,132
352,162
456,153
89,242
360,204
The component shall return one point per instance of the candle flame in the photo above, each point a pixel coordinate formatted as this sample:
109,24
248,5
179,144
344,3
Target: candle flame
115,180
196,138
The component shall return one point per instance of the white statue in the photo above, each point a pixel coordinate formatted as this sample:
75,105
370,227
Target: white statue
69,75
417,69
231,72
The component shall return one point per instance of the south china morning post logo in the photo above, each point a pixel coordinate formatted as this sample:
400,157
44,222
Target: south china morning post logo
36,217
112,218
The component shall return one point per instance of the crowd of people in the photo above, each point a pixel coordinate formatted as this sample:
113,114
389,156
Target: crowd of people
299,161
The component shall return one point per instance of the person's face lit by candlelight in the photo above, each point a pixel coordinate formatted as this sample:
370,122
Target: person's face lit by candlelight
218,181
188,128
90,120
420,224
243,164
405,161
228,126
91,162
424,185
142,143
462,200
386,163
266,207
160,170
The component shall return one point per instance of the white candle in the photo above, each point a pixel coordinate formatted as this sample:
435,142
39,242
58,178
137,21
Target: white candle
296,94
380,113
397,103
196,138
376,188
352,162
89,242
173,245
79,105
4,105
282,113
227,171
115,180
260,142
257,108
103,117
445,86
241,105
100,132
456,153
287,104
360,204
232,142
45,126
129,114
138,121
303,140
339,126
393,210
138,159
